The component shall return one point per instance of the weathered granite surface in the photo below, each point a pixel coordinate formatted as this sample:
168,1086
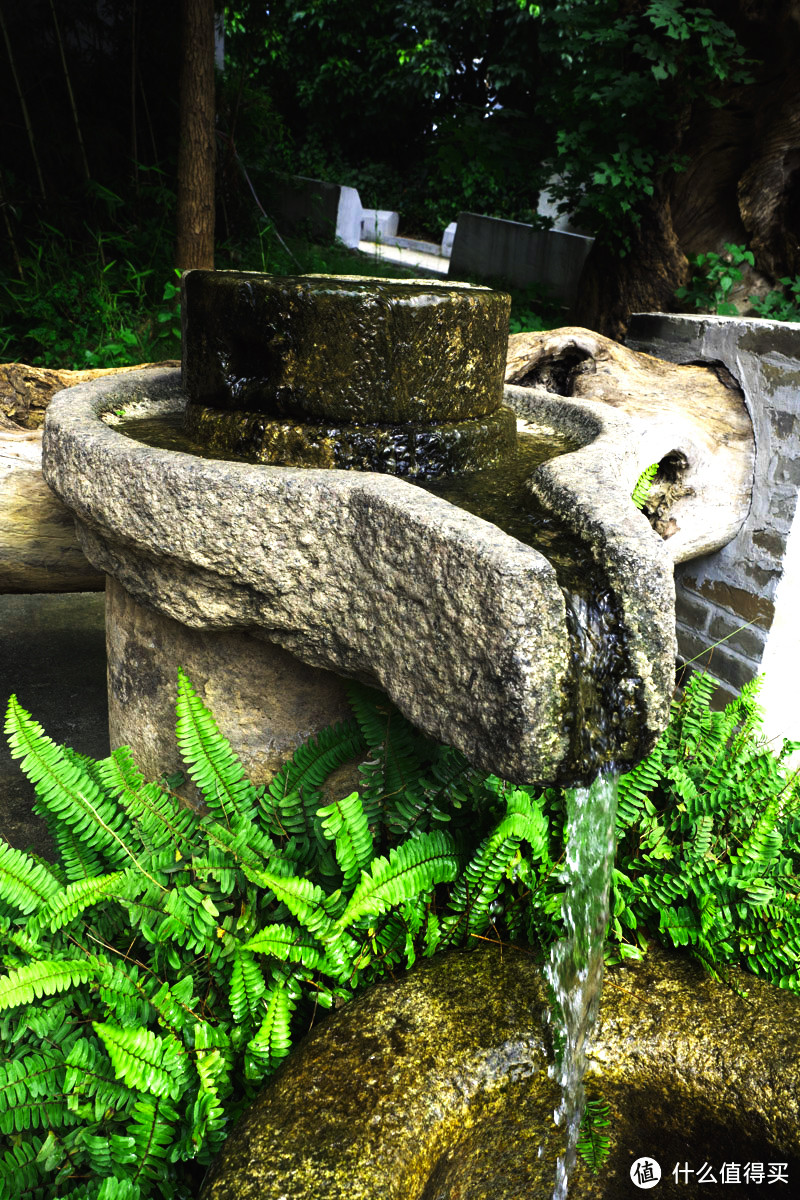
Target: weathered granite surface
264,700
434,1087
366,575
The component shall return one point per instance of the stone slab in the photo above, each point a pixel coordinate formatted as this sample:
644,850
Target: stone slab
315,208
378,224
487,248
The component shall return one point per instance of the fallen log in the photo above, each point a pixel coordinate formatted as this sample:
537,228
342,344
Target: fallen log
691,420
26,391
39,551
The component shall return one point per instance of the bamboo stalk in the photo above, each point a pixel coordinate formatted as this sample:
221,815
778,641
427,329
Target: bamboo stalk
23,106
10,231
71,94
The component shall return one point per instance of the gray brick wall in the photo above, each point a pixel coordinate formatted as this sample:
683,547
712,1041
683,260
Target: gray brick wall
718,594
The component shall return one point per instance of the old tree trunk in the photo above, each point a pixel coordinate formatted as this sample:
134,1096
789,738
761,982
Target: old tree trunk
741,184
196,151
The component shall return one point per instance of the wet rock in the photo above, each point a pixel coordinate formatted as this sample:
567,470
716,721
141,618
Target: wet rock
401,1093
434,1087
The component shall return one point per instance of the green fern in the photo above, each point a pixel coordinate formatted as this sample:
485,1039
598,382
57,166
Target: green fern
643,485
594,1143
160,969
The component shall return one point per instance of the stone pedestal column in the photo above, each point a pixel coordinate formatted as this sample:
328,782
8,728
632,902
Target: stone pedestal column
265,701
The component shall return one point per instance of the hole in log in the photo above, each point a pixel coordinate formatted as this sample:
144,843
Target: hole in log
559,372
666,488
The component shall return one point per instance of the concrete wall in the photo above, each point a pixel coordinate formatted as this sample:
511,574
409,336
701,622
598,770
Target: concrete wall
755,579
491,249
314,208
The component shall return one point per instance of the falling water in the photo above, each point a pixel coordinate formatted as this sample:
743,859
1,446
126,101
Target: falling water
575,969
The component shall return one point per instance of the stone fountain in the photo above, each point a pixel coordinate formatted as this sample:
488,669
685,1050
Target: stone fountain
269,579
267,582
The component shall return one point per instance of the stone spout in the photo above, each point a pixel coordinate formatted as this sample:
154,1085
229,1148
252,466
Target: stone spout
463,626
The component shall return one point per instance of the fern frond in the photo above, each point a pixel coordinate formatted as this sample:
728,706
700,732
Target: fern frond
20,1174
144,1060
89,1084
44,978
65,906
346,822
31,1094
153,813
287,945
247,990
643,484
415,867
25,884
153,1132
274,1038
291,799
594,1143
212,764
478,886
64,790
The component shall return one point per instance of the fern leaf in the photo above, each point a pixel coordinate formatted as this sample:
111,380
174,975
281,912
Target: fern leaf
64,790
291,799
89,1085
643,485
593,1143
345,822
20,1174
286,944
74,899
304,899
154,814
410,869
274,1038
247,990
478,886
212,764
25,884
153,1132
31,1094
144,1060
44,978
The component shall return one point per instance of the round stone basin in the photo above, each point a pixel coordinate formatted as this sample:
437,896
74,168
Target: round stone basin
463,626
435,1087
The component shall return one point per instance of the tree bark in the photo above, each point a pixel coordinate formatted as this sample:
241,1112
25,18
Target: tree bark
741,184
196,149
26,391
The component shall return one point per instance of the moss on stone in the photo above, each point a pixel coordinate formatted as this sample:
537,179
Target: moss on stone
406,450
344,348
435,1086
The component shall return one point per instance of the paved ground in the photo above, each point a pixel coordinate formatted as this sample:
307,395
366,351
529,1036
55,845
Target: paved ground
53,658
429,264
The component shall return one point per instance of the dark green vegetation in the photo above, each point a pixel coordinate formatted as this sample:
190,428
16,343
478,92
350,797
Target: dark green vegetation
715,277
160,969
428,108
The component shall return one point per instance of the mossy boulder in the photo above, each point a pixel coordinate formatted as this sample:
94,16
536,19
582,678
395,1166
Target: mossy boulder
435,1086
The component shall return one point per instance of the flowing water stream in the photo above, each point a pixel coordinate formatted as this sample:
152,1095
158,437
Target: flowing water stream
575,969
